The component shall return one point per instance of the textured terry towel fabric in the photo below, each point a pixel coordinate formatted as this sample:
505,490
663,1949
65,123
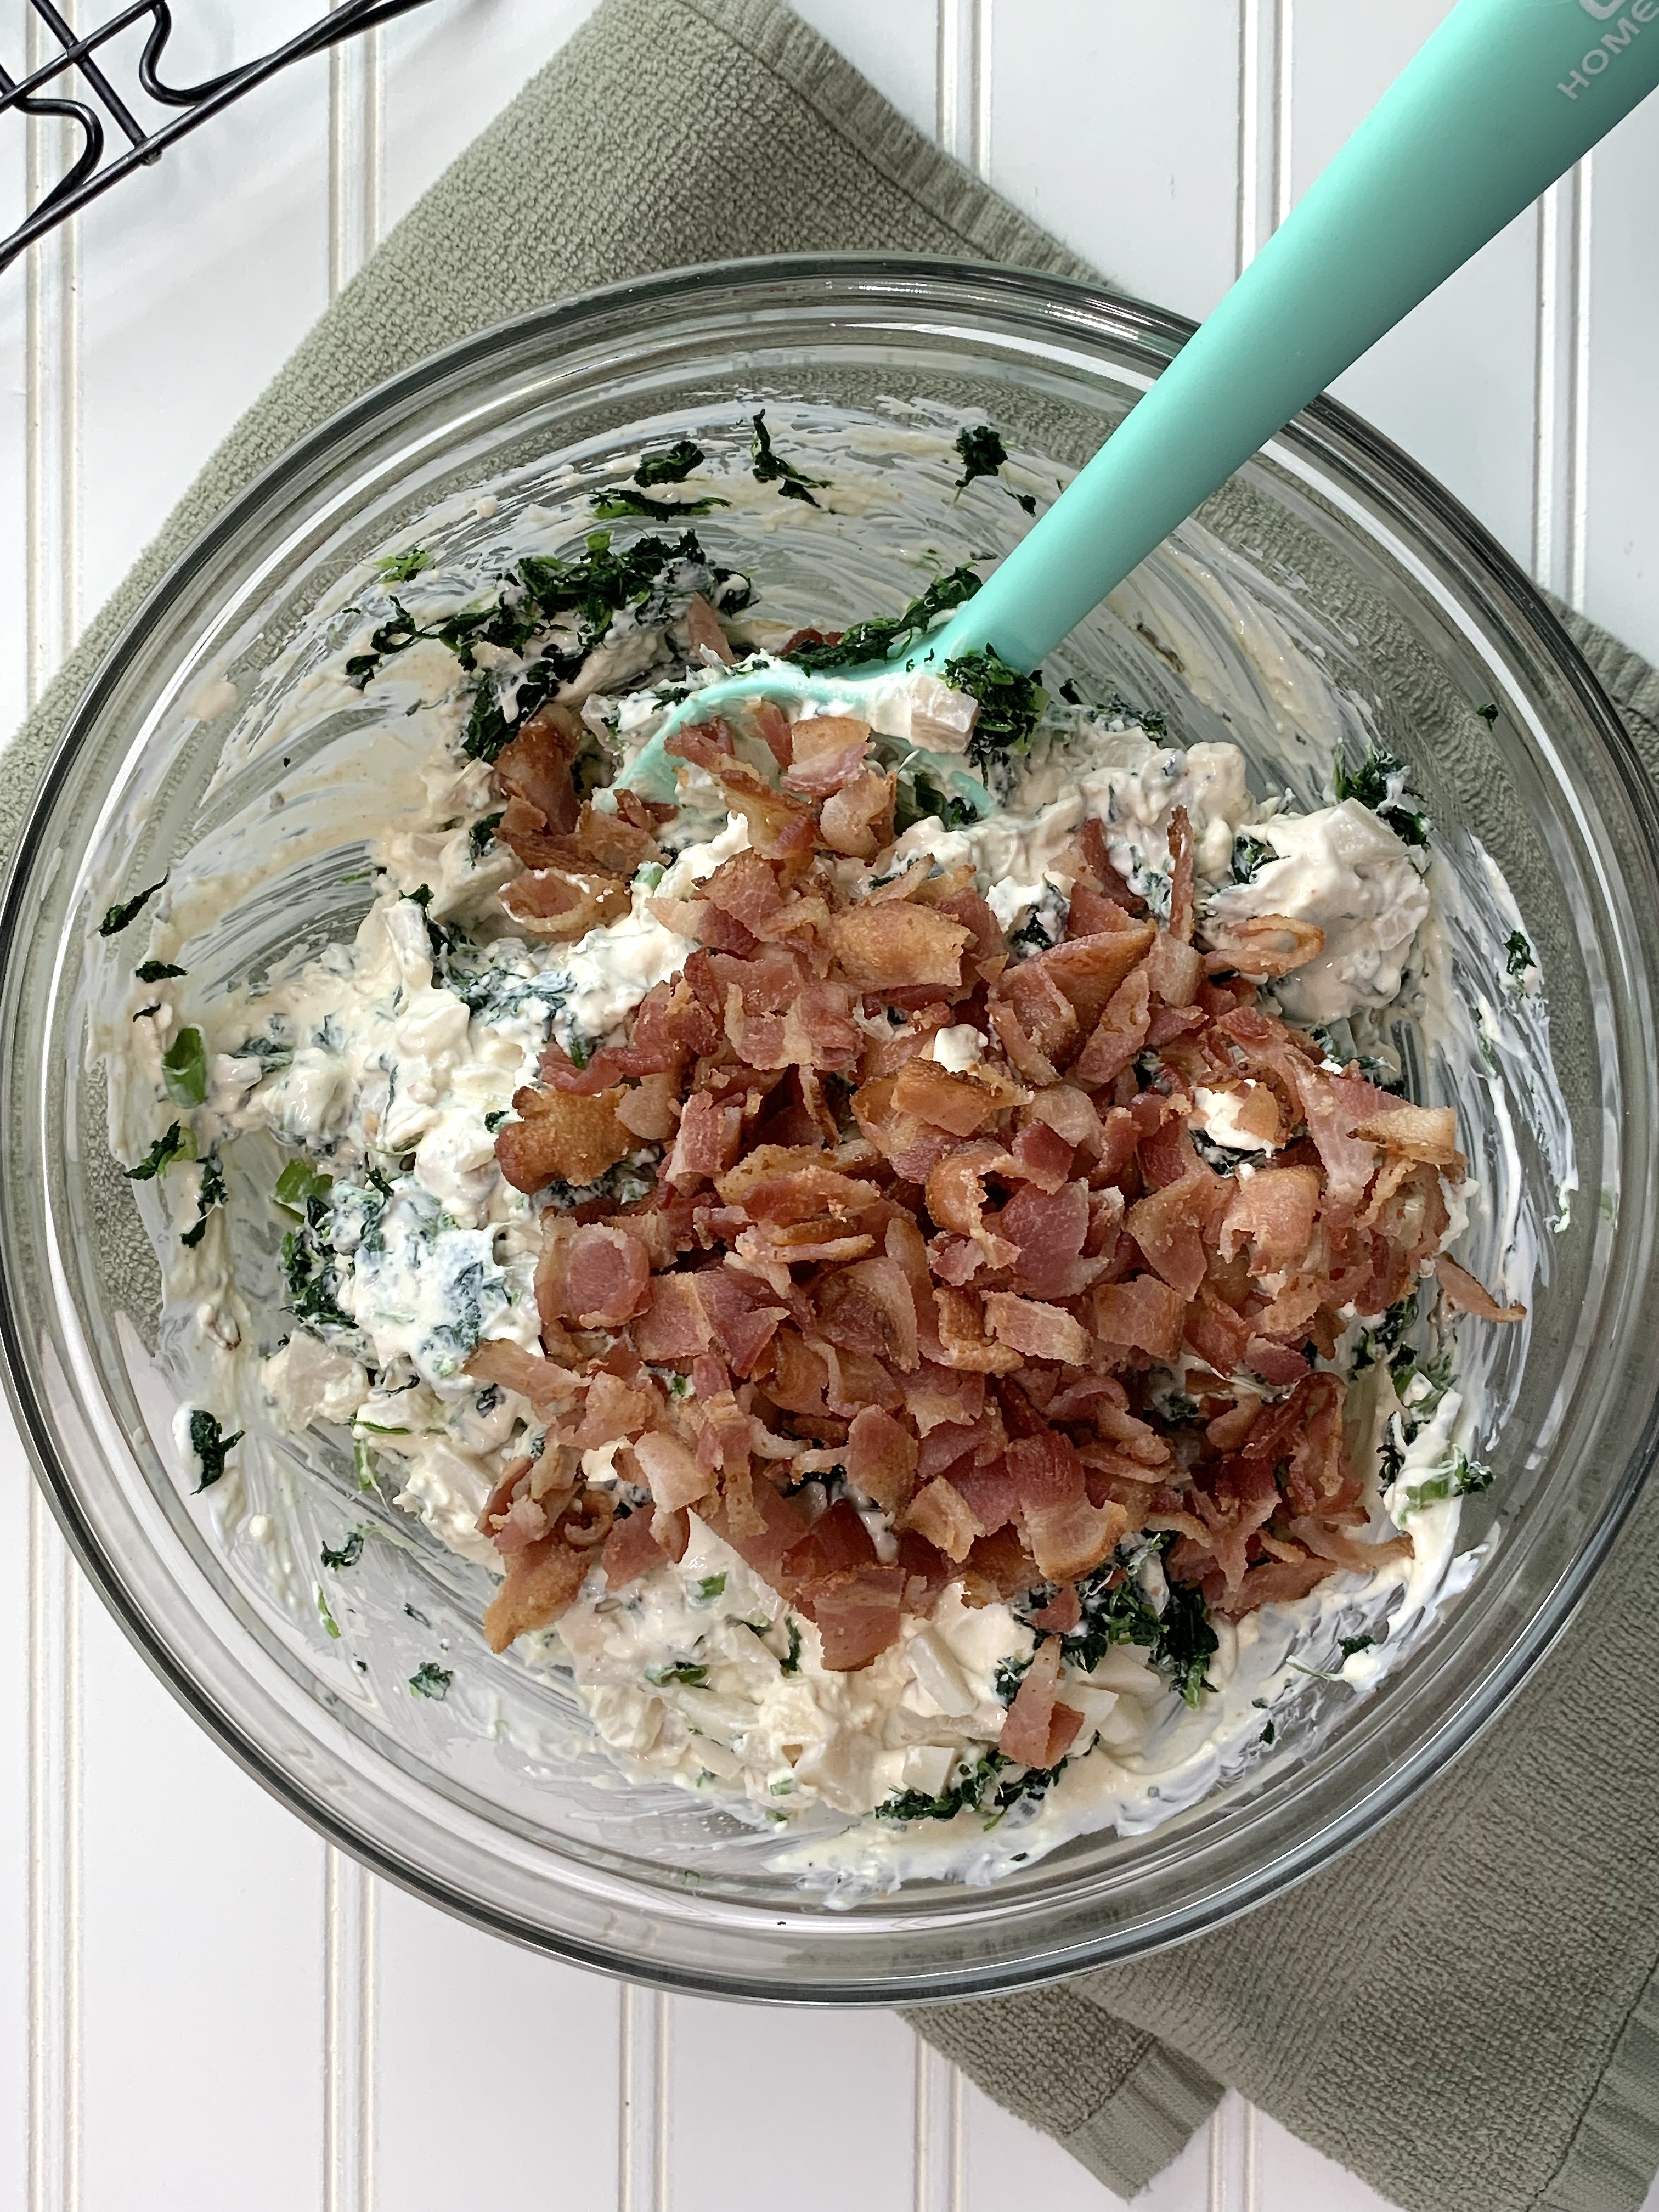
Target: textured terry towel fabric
1464,2011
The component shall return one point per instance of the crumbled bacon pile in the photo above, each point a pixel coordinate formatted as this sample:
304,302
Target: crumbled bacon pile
953,1286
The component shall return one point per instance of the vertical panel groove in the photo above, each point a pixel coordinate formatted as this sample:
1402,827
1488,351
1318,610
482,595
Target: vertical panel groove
1560,490
51,566
1265,179
348,2037
355,171
963,104
642,2169
940,2164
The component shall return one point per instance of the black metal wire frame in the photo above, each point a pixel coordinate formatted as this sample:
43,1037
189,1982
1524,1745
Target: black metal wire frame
90,173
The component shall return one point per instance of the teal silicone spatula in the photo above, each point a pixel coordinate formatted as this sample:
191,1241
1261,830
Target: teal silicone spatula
1503,100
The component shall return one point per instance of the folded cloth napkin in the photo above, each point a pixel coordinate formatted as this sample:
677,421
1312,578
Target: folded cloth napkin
1464,2010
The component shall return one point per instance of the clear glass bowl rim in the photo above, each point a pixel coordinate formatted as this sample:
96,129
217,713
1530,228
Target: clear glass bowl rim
818,280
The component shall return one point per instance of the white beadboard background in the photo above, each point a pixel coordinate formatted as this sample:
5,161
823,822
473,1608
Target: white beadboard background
201,2005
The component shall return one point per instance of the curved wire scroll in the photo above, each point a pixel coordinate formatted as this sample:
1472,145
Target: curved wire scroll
89,173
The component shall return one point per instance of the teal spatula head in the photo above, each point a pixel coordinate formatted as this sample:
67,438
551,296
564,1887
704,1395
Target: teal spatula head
1501,101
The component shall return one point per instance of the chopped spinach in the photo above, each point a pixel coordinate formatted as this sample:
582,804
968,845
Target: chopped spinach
128,910
482,835
1381,1347
1179,1640
156,971
680,1670
211,1445
175,1143
621,502
1379,783
1010,704
431,1680
969,1793
768,467
672,465
1488,714
1266,1735
1350,1644
920,798
211,1192
1250,855
983,454
403,567
494,1120
1517,954
884,637
184,1069
309,1271
350,1550
790,1664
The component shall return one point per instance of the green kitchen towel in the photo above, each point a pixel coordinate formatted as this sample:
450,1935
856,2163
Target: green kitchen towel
1463,2009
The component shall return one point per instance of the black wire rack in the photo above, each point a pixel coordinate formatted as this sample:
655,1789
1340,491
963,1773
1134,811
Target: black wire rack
74,84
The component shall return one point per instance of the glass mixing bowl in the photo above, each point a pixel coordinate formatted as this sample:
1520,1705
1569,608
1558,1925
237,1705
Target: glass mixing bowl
488,1803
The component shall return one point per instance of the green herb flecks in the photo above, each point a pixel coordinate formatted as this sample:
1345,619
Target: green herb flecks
176,1143
431,1680
1379,783
209,1443
211,1192
791,1663
184,1069
621,502
403,567
680,1670
493,1121
1488,714
672,465
983,454
326,1616
350,1550
887,637
768,467
1517,954
482,836
1464,1478
706,1589
1250,855
1010,705
989,1780
156,971
299,1182
128,911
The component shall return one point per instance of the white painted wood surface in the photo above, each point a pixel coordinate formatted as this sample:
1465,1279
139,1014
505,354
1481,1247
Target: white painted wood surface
199,2004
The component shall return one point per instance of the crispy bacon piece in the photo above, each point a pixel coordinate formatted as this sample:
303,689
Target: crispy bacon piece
1119,1033
630,1551
1087,970
1263,945
1273,1212
889,946
561,905
1143,1314
703,634
1428,1133
561,1137
858,1615
607,1276
881,1457
535,766
1171,1226
825,753
541,1580
1468,1296
961,1104
1067,1536
546,1384
1039,1731
1039,1331
941,1514
675,1474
